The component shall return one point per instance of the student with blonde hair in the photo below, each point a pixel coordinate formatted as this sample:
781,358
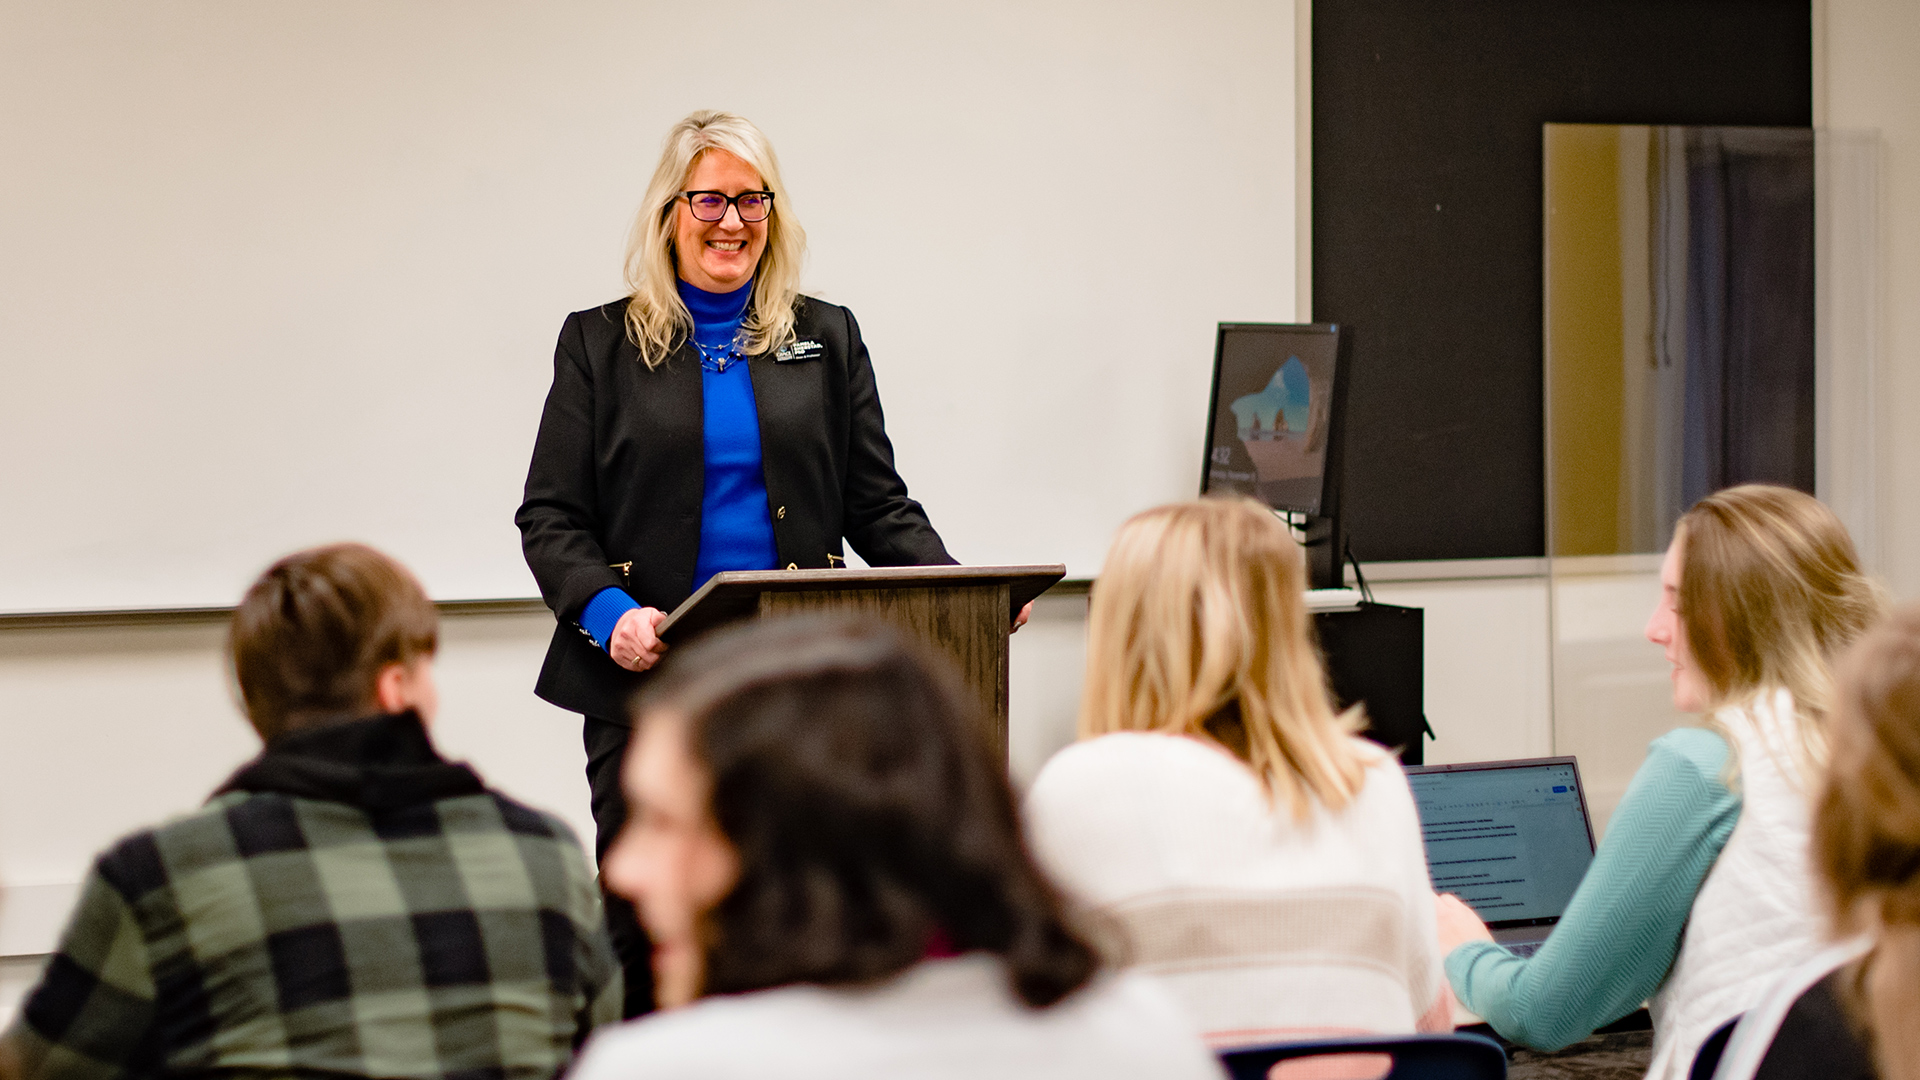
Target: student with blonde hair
1853,1011
1701,892
1257,857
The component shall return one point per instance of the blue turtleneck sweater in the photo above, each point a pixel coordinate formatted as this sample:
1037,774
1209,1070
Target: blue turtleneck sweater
736,532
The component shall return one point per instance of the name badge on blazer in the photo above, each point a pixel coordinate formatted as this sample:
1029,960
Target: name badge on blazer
799,351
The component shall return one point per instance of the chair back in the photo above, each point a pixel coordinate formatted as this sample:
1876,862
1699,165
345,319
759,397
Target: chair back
1415,1057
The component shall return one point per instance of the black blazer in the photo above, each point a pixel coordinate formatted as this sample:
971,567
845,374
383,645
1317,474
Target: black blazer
613,493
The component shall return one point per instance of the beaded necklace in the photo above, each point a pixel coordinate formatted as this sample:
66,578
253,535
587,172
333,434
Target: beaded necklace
718,358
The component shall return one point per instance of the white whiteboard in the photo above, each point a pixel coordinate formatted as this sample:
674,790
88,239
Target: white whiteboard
273,274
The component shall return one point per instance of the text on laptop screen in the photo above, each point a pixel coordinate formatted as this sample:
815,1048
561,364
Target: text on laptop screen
1511,842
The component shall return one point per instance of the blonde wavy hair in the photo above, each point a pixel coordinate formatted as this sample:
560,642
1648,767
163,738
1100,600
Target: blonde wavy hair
657,319
1866,834
1198,627
1771,592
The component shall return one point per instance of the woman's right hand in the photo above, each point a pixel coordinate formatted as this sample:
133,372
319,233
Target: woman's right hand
1458,923
635,645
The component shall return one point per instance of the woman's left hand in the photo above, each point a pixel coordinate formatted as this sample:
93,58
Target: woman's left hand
1020,620
1458,923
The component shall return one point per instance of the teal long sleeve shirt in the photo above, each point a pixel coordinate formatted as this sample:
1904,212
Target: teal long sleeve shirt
1618,939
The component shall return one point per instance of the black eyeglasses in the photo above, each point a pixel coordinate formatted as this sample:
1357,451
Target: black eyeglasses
712,205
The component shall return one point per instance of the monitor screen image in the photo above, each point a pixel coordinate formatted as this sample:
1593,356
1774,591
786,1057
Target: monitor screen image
1273,391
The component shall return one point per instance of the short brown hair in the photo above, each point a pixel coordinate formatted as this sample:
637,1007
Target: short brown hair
311,635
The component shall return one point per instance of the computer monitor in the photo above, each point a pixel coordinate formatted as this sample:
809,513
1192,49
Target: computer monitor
1275,424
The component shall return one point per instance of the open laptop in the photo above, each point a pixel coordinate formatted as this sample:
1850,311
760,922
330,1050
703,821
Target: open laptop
1511,838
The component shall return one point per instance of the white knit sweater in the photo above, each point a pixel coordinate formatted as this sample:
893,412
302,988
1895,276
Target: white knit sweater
1260,926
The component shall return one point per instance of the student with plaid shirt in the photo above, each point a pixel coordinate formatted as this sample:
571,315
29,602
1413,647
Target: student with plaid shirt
349,902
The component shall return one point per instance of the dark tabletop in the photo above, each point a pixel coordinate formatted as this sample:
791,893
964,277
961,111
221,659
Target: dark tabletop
1622,1055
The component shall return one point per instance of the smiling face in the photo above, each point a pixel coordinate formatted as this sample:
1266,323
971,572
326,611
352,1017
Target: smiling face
1691,691
671,859
718,256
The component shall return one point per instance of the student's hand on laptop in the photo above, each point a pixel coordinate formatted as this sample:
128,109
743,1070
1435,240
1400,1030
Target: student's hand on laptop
634,645
1458,923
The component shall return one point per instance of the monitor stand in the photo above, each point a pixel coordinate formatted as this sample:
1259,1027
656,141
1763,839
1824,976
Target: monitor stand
1324,541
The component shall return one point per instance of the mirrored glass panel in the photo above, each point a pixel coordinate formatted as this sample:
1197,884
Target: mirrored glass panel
1679,303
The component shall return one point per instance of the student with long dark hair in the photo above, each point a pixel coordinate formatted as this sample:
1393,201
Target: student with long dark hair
829,864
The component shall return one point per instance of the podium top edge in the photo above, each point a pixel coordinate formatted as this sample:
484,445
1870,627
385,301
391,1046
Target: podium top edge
729,588
984,574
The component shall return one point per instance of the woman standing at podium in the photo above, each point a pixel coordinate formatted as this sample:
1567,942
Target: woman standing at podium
712,419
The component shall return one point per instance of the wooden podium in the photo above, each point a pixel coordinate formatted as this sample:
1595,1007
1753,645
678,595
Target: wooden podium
965,611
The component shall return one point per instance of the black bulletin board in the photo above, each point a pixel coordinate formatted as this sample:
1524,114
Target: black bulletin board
1427,223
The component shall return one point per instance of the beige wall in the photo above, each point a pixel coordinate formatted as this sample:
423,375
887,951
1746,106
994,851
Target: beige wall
1869,83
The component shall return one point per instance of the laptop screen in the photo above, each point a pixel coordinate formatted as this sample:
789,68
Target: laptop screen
1510,838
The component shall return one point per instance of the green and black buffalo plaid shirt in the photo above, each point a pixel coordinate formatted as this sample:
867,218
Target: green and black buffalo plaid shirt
349,903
